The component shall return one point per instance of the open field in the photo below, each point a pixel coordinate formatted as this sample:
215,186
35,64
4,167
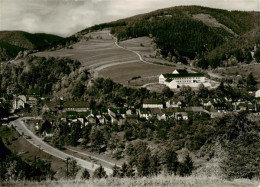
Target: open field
151,182
101,54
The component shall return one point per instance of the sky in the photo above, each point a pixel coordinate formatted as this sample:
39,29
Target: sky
66,17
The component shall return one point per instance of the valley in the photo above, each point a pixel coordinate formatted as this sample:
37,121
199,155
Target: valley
166,98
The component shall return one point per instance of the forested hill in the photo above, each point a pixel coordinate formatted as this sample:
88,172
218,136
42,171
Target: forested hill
187,31
11,42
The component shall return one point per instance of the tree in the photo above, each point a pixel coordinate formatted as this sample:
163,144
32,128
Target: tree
155,165
251,82
97,139
185,168
143,164
116,171
78,90
85,174
73,169
100,173
167,92
203,63
130,171
123,170
202,91
171,161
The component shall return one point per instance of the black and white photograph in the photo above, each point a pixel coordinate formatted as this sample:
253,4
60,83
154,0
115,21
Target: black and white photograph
130,93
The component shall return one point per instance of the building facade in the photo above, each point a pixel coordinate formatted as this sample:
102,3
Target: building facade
180,78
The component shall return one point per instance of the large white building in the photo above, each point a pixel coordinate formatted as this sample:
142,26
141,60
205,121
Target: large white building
180,78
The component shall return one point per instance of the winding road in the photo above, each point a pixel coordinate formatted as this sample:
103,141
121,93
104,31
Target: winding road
38,142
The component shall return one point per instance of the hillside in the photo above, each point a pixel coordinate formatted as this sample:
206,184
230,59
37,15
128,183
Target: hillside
187,32
11,42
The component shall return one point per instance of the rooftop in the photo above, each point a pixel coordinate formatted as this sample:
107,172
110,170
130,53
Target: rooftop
76,104
171,76
152,101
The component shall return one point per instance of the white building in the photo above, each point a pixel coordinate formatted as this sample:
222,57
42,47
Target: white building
150,103
180,78
19,102
257,94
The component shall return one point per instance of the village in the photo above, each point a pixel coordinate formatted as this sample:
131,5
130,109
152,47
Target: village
151,109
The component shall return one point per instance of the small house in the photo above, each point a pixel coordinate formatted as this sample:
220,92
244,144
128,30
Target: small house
173,103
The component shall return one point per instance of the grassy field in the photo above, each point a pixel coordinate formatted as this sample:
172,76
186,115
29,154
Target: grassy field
100,53
27,151
151,182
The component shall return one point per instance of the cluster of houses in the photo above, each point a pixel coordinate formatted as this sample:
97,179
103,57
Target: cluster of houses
21,101
73,111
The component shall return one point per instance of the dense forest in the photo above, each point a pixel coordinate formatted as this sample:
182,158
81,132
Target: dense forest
177,32
35,73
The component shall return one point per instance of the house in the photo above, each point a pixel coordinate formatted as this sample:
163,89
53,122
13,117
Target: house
207,102
50,107
144,113
220,107
152,103
131,111
32,101
162,116
173,103
132,118
156,111
117,112
117,115
257,94
102,119
181,116
196,109
243,106
78,106
19,102
181,77
91,119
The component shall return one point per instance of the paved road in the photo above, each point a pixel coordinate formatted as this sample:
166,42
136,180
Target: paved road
38,142
96,158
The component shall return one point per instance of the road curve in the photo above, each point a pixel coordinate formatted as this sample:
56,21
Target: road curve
139,56
38,142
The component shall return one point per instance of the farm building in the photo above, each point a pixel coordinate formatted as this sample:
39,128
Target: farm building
78,106
180,78
151,103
